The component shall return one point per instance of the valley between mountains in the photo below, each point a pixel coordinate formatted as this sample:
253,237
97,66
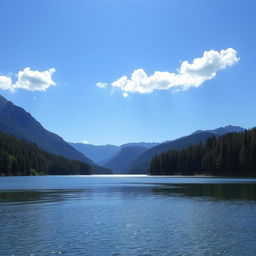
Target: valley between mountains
130,158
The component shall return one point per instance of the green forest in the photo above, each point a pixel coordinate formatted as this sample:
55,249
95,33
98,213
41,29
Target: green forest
233,154
18,157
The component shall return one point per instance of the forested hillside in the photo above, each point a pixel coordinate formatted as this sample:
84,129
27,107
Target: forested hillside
18,157
142,163
19,123
233,154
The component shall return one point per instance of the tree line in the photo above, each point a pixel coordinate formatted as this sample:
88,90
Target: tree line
18,157
233,154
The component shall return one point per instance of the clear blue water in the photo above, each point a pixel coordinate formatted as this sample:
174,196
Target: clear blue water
80,215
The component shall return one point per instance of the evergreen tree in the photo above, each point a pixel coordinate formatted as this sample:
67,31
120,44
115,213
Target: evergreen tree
18,157
232,154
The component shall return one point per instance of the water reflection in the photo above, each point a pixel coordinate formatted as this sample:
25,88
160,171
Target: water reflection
217,191
229,191
34,196
140,216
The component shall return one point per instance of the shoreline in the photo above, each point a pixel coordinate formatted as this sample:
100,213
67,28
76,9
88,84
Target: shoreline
137,176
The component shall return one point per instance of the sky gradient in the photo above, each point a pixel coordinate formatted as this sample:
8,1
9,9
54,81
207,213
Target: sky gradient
76,44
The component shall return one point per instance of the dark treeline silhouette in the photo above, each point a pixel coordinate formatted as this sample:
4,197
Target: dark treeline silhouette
233,154
18,157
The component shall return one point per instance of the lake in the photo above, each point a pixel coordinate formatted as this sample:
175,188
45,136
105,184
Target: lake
127,215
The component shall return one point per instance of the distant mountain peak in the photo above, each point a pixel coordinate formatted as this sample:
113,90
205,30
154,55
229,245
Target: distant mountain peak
101,154
121,161
233,127
197,131
222,130
140,144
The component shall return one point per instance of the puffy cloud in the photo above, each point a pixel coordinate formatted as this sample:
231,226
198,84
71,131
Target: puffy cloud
5,83
34,80
27,79
188,74
85,142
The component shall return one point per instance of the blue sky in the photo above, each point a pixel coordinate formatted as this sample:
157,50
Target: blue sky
87,42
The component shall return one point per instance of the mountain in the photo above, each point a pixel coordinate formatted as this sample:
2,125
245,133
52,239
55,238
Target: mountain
232,154
120,162
140,144
141,164
18,157
19,123
99,154
104,153
223,130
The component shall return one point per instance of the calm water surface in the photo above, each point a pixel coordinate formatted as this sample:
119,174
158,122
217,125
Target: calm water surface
131,215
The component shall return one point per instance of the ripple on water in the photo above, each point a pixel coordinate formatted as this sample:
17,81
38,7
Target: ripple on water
127,216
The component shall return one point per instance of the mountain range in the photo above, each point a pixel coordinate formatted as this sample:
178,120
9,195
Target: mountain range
127,158
120,162
99,154
102,154
135,157
19,123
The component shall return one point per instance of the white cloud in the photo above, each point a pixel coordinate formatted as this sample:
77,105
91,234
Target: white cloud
5,83
27,79
101,85
125,94
34,80
188,75
85,142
